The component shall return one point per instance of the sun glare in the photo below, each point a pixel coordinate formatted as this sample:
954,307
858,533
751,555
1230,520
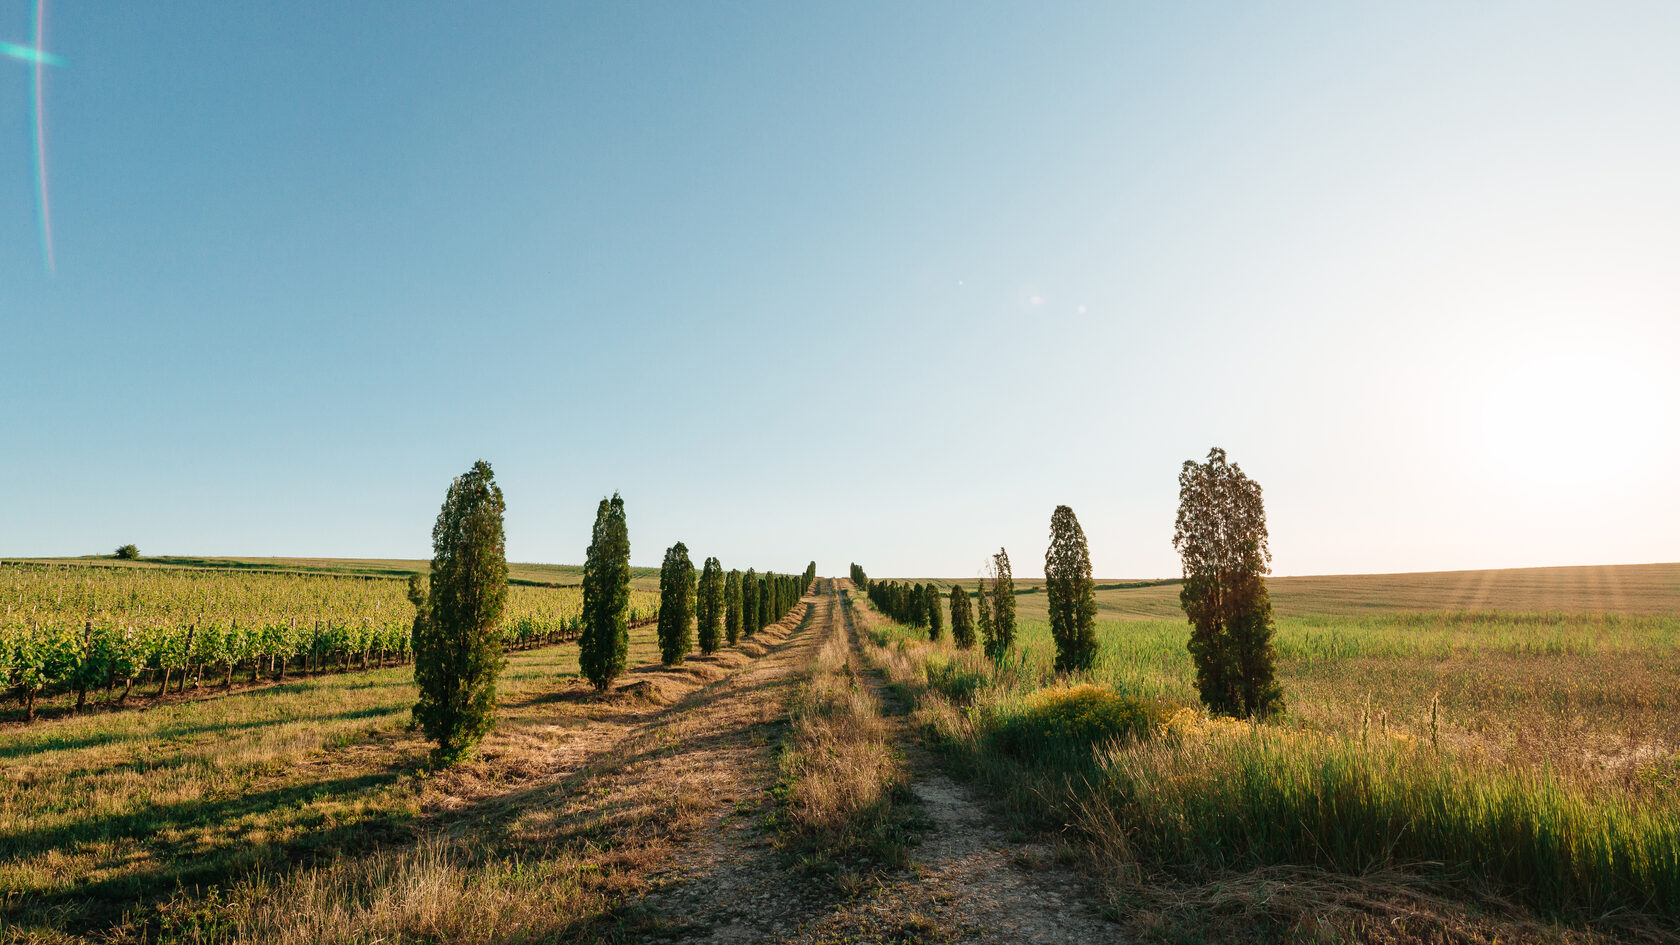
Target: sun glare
1569,424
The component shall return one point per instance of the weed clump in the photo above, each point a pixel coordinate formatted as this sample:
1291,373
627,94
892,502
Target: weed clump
957,682
1074,722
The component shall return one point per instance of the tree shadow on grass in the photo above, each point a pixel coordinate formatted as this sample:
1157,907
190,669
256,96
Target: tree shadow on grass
124,905
60,706
91,908
35,747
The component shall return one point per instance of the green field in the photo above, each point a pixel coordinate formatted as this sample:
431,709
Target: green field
1455,699
518,573
1626,589
1451,741
104,815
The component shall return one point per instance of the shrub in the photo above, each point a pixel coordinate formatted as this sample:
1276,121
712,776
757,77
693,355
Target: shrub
957,682
1072,722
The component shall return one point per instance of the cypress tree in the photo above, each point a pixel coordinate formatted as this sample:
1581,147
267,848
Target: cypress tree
936,616
962,618
732,607
676,605
983,614
764,601
1067,583
458,647
749,602
604,642
1221,535
709,606
1001,607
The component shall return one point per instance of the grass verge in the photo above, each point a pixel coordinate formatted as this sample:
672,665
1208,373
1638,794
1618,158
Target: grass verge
843,797
1279,833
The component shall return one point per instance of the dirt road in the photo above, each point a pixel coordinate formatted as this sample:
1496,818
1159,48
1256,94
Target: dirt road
967,880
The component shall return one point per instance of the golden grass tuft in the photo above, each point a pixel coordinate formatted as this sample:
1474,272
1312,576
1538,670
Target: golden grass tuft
843,783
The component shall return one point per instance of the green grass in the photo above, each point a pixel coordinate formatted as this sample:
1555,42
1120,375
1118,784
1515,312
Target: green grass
103,815
1533,754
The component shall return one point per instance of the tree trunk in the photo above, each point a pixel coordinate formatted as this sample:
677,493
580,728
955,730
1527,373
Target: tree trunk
29,707
81,675
165,687
191,632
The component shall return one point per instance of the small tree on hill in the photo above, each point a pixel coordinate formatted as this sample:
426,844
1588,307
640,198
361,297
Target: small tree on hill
962,618
676,605
1221,535
732,607
709,606
1067,583
127,553
604,642
459,645
1000,606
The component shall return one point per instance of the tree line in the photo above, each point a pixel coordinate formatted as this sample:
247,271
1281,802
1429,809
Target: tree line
1220,534
457,660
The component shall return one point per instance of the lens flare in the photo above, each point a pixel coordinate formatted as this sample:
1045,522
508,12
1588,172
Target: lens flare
43,203
29,54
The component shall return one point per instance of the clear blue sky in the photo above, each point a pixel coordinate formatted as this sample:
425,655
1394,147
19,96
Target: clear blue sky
881,283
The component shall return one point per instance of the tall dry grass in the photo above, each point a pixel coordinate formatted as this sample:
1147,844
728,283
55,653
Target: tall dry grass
844,789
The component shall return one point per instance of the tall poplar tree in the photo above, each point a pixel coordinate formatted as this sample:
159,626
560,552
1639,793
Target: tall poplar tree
458,646
676,605
708,606
962,618
983,614
749,602
1221,536
604,642
764,600
732,607
1067,583
1001,606
935,614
